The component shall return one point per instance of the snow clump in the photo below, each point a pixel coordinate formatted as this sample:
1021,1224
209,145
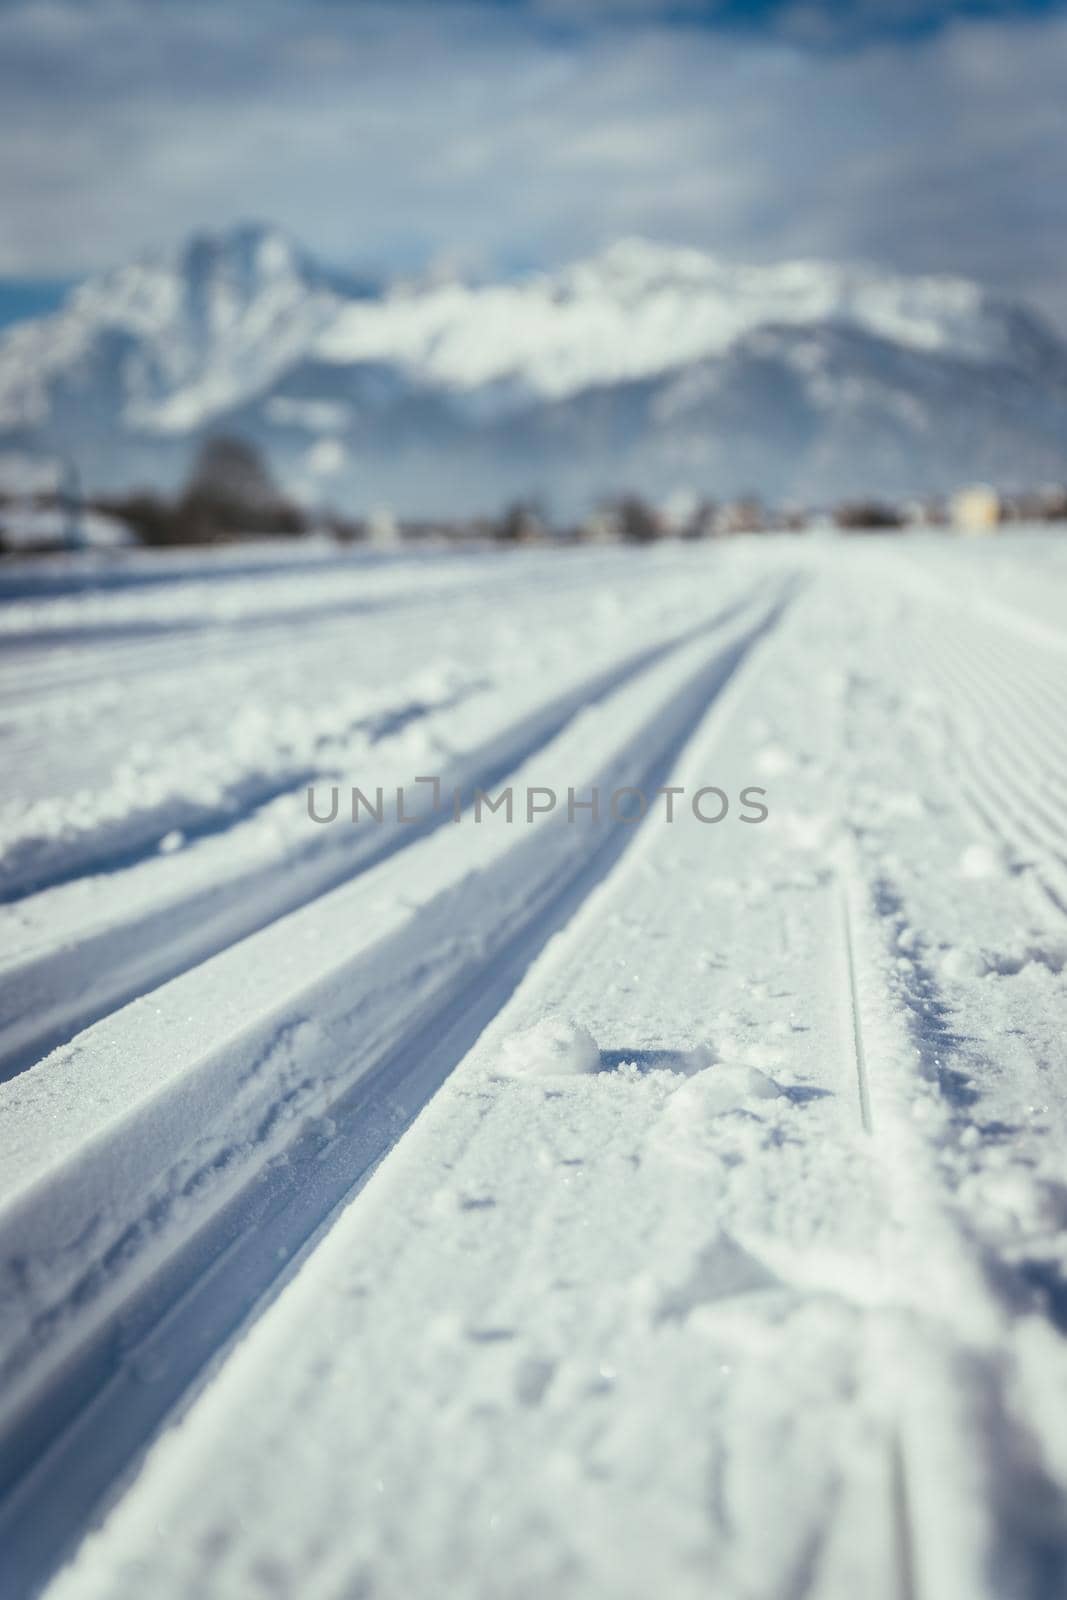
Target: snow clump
553,1047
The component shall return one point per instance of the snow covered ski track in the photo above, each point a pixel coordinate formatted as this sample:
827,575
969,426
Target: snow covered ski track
252,871
720,1240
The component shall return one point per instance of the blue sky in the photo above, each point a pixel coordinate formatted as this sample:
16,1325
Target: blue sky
393,134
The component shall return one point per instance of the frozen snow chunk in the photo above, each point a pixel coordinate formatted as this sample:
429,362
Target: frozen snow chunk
553,1047
807,831
979,861
1020,1202
960,963
699,1125
1046,952
773,760
727,1083
728,1086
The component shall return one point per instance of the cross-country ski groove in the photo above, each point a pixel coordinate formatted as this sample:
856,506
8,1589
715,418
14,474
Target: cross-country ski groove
78,1425
858,1046
44,630
919,1133
899,1493
198,617
46,999
131,840
166,570
902,1522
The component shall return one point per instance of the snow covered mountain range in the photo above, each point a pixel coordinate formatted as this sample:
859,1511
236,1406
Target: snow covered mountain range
645,367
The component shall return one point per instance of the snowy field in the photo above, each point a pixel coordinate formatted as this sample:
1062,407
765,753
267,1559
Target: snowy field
567,1205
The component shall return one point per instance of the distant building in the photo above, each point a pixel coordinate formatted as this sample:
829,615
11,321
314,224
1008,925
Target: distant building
1047,504
702,522
29,525
929,513
792,519
383,529
599,526
977,510
1053,502
678,513
741,516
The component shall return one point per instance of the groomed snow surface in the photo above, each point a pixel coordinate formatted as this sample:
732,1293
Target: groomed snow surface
567,1205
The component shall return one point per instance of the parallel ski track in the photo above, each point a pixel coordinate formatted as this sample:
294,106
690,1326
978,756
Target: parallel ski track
1004,724
900,1496
157,642
1019,1535
96,853
71,1452
35,580
99,974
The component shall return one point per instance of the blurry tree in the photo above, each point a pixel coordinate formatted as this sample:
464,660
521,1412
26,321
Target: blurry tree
522,523
857,515
228,468
701,522
153,519
632,519
231,492
638,522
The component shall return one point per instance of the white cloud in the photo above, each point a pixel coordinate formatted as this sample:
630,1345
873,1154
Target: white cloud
393,134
